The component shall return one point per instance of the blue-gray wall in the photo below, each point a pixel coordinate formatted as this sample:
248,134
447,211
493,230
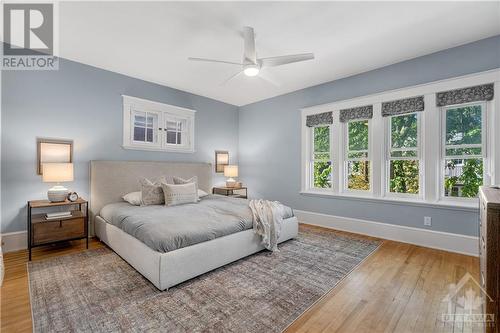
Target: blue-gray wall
269,137
84,104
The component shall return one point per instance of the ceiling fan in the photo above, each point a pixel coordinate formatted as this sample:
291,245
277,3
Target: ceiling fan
251,65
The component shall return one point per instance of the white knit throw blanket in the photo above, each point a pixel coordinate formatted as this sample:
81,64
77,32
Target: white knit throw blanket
267,219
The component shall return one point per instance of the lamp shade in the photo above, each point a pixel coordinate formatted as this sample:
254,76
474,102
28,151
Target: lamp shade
57,172
231,171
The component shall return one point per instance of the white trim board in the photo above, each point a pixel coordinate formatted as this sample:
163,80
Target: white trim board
457,243
14,241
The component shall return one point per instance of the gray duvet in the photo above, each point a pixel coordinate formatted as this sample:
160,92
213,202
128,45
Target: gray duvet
165,229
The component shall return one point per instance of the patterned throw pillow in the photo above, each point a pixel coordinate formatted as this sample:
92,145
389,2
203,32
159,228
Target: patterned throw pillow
152,193
180,181
180,194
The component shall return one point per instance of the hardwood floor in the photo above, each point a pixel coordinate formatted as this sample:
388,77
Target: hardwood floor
399,288
15,310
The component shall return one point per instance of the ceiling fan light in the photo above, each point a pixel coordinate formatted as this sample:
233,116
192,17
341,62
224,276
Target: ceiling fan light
251,71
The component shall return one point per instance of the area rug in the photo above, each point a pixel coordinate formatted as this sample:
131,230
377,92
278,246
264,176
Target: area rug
97,291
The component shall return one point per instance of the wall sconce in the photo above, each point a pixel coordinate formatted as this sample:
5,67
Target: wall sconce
221,160
53,151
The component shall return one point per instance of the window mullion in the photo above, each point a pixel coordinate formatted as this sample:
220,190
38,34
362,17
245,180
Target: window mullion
336,151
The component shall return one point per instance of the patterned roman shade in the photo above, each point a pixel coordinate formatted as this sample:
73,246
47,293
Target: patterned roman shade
402,106
361,112
324,118
483,92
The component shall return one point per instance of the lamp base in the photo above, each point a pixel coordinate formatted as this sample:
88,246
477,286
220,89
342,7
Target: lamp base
57,194
230,182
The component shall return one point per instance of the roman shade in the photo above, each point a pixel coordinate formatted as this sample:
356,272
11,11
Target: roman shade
402,106
483,92
360,112
324,118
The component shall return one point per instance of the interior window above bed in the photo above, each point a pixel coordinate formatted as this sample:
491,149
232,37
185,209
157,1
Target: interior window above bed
149,125
145,127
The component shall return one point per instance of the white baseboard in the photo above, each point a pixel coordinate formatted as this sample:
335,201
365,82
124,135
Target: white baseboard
14,241
429,238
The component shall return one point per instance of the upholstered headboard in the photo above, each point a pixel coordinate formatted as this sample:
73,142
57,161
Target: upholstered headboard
110,180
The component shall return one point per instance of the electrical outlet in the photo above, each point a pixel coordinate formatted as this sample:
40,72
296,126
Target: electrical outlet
428,221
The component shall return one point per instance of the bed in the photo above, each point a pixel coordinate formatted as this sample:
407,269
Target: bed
171,259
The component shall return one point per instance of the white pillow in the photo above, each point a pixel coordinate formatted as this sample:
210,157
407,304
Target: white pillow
179,181
202,193
179,194
133,198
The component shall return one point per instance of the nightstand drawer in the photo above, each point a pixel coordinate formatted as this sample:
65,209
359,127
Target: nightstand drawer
52,231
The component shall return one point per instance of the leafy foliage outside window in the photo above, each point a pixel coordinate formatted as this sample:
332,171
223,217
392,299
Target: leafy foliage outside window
468,182
358,167
403,155
463,151
404,176
358,175
322,165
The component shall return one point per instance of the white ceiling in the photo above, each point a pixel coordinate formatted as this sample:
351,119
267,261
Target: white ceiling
152,40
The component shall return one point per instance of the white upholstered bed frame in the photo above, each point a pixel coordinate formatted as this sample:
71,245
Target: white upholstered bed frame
110,180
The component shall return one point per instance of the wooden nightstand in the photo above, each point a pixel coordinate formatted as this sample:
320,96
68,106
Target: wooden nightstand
231,191
42,231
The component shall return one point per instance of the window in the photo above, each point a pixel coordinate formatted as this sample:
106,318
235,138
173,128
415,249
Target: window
463,150
403,154
434,144
321,157
176,131
356,156
149,125
145,127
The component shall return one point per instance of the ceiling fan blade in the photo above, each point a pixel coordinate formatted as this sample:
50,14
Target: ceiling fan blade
286,59
249,53
230,78
266,76
214,60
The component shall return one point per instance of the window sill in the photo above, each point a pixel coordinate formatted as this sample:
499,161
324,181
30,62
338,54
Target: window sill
471,206
164,150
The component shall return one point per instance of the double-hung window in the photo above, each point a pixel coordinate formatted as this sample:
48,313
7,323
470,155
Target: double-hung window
321,161
436,146
463,150
403,154
403,149
319,127
356,172
149,125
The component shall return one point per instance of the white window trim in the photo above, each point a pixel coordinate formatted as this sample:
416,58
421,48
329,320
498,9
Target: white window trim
345,160
131,104
430,135
485,134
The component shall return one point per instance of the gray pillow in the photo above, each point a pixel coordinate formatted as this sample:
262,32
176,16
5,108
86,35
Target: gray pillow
151,192
180,194
180,181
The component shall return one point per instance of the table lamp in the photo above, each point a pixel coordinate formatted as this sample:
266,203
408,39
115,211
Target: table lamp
57,173
231,171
